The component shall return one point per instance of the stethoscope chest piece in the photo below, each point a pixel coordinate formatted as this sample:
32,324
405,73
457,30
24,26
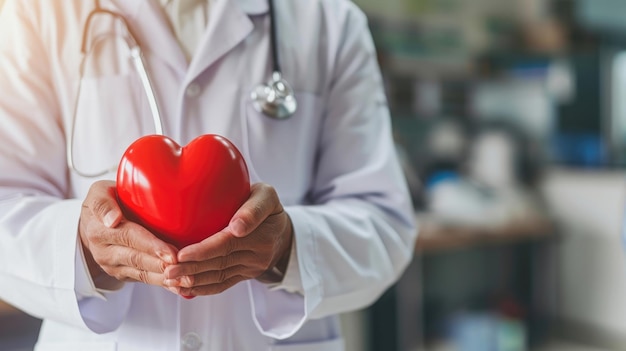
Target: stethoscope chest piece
275,98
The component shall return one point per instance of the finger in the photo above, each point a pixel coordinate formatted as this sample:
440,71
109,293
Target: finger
211,277
211,289
132,274
214,264
101,200
262,203
125,256
135,236
217,245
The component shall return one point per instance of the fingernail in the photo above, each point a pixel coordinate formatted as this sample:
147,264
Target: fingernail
238,228
109,219
166,257
173,290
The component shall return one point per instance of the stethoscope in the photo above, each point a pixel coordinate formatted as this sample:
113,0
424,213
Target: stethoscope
275,98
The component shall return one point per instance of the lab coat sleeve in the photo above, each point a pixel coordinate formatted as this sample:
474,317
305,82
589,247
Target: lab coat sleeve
38,222
358,235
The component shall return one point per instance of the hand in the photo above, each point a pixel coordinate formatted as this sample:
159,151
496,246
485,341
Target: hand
256,243
116,249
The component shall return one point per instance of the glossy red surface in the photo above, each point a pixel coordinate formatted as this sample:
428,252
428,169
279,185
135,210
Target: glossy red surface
182,194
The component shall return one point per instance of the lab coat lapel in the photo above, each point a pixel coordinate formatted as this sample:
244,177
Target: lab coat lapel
153,32
229,25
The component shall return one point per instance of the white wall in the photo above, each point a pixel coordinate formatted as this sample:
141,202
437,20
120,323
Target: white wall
591,256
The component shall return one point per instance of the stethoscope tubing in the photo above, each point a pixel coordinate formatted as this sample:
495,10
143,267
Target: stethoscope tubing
139,63
280,103
273,39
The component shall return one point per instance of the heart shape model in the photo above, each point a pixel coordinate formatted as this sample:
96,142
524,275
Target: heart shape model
182,194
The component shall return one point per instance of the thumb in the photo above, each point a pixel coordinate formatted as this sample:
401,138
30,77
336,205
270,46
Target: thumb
262,203
103,203
112,218
238,228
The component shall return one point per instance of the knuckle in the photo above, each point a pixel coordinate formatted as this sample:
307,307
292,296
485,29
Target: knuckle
134,260
244,257
236,271
162,266
97,186
270,192
232,260
98,207
231,246
123,237
257,211
273,195
266,187
143,276
221,276
223,262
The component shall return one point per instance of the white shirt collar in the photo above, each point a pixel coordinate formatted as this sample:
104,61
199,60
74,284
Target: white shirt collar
251,7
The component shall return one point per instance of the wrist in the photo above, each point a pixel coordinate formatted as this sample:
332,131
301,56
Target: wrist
276,273
101,280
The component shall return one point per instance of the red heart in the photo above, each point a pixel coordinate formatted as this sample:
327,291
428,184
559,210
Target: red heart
182,194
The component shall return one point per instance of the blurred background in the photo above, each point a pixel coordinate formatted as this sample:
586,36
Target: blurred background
510,121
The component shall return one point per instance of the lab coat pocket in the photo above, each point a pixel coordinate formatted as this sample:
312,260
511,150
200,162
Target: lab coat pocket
282,152
76,346
110,115
326,345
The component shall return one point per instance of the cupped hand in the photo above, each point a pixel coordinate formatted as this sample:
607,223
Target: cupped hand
255,245
116,249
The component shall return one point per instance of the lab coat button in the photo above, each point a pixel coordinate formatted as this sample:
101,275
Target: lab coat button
191,342
193,90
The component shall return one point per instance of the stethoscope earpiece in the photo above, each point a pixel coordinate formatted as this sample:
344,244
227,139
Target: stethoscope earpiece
275,98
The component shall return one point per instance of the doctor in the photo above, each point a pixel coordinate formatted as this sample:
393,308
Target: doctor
328,226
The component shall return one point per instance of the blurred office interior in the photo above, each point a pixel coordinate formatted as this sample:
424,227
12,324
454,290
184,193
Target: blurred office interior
510,117
510,120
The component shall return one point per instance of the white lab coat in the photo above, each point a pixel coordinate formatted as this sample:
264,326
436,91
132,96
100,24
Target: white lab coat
333,166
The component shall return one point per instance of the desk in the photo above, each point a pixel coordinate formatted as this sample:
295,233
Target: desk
452,265
436,237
